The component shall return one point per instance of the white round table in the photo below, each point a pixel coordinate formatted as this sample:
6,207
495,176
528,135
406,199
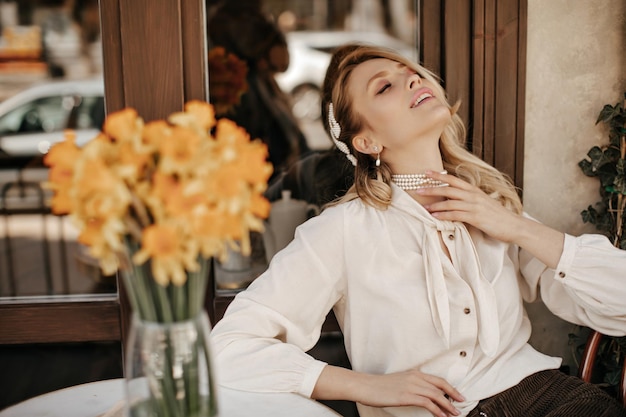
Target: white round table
97,398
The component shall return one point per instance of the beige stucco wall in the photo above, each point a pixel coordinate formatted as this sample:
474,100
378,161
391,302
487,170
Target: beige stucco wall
576,63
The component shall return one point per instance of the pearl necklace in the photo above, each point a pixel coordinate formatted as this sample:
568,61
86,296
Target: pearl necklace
415,181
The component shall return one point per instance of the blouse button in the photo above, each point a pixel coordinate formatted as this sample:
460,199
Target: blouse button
466,310
562,274
451,236
463,353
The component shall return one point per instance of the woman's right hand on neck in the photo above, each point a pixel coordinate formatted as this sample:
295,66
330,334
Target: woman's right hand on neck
407,388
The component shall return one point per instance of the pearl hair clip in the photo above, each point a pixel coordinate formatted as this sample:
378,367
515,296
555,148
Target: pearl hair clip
335,131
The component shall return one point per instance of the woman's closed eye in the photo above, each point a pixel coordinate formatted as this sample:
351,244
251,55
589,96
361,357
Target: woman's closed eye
384,88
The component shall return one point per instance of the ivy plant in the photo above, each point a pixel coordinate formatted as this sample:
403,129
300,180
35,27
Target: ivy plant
608,164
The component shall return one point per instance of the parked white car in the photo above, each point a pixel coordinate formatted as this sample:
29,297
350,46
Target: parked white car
32,120
309,56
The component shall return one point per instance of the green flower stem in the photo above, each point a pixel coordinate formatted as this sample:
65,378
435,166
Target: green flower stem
191,374
168,387
197,289
179,301
145,283
207,357
192,288
163,304
155,303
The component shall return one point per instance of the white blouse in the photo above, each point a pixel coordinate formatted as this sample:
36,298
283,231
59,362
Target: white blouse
402,303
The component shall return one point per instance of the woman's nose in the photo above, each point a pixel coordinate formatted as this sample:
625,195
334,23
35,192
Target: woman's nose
414,81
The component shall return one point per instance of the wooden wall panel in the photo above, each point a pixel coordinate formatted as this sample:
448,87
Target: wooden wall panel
194,41
482,59
155,56
478,83
431,35
457,54
487,121
154,59
112,55
506,86
521,93
152,56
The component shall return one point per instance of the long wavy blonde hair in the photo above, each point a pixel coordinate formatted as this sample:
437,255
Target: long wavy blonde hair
372,183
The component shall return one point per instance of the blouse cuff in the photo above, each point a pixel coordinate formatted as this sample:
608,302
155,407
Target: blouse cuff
567,257
310,378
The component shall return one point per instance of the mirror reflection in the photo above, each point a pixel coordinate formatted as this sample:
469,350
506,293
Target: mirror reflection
50,80
267,61
266,65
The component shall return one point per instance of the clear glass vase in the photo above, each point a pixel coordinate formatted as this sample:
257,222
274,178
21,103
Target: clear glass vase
168,369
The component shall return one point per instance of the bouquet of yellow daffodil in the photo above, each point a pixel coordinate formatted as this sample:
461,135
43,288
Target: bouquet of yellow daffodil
171,194
157,201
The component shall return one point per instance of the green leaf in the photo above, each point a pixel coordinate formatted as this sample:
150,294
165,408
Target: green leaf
607,176
590,215
607,113
612,153
585,166
600,157
620,178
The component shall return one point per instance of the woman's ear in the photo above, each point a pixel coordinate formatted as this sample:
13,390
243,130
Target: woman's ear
365,145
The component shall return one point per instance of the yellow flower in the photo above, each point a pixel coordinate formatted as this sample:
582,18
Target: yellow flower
123,125
100,192
169,253
172,195
131,164
202,112
178,188
178,151
155,132
103,236
61,159
260,206
226,183
92,232
228,133
252,163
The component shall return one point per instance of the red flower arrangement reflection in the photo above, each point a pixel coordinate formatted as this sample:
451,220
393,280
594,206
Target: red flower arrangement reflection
227,80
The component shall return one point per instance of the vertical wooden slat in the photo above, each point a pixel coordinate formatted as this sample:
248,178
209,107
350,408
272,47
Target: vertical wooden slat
521,93
489,80
112,55
457,35
152,57
194,41
431,35
506,86
476,128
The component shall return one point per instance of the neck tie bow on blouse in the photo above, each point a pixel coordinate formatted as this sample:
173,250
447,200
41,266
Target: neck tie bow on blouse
469,268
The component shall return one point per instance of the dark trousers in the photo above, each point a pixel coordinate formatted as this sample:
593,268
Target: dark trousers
550,394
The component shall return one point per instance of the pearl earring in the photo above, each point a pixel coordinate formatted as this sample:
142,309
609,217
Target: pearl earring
378,157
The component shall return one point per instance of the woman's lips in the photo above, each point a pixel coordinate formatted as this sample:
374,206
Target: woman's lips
420,96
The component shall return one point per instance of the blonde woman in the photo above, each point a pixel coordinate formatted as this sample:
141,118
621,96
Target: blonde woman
426,262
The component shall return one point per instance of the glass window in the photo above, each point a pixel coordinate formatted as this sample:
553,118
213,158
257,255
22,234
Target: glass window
47,114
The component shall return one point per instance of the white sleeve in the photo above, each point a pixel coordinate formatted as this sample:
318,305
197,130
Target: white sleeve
588,286
260,343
